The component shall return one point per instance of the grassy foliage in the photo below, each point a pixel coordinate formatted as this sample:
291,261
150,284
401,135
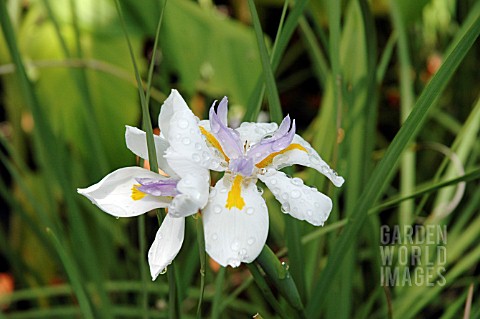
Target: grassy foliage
386,91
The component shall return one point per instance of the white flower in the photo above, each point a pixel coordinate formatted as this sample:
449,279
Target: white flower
236,216
131,191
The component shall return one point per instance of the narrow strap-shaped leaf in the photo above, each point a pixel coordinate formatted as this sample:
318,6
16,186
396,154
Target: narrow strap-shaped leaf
385,168
266,291
203,262
278,273
272,92
291,23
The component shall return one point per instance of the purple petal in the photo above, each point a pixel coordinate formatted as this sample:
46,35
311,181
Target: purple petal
243,166
222,110
228,138
158,187
281,139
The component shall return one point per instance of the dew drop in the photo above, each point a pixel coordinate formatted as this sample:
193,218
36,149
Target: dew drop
182,123
273,181
213,192
295,194
234,262
276,191
285,196
196,158
315,159
326,170
251,241
278,146
260,190
297,181
250,210
217,209
243,253
285,208
186,140
116,217
214,236
198,146
206,156
235,246
164,271
285,265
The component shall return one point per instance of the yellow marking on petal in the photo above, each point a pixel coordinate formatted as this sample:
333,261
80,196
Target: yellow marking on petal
213,140
269,159
136,193
234,198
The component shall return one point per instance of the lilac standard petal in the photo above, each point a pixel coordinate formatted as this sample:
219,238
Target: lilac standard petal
243,165
281,139
157,187
222,110
228,138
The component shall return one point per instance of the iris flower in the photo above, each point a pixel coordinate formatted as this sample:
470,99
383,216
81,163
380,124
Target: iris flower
236,216
132,191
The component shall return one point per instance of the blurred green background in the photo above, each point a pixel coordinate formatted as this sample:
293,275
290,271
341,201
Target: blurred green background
350,72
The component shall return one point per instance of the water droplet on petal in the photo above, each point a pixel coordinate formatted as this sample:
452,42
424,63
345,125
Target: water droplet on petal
182,123
250,210
213,192
251,241
315,159
186,140
196,158
285,196
217,209
273,181
164,271
285,208
235,246
242,253
295,194
309,212
234,262
116,217
206,156
198,146
297,181
260,190
214,236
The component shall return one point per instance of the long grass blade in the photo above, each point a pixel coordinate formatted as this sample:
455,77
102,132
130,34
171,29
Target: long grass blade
385,168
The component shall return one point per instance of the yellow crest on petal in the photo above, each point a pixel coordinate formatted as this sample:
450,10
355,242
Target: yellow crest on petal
234,198
213,140
269,159
136,193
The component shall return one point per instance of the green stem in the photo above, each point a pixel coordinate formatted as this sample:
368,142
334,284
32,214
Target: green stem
203,262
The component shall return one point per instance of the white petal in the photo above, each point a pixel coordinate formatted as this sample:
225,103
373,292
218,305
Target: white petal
254,132
113,193
309,159
181,129
137,143
297,199
233,236
167,244
194,190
